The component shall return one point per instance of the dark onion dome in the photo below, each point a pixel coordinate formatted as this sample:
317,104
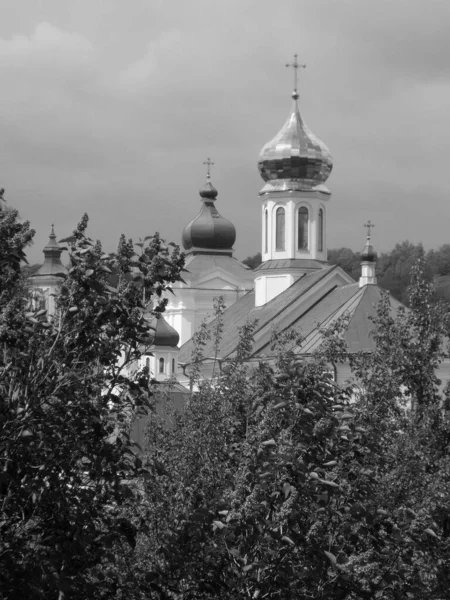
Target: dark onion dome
165,334
369,253
52,258
295,159
209,232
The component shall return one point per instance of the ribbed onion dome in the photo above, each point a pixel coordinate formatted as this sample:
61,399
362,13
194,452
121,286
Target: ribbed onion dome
209,232
369,253
165,334
295,159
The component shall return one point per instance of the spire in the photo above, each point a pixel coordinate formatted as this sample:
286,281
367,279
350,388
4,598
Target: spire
209,232
52,261
368,260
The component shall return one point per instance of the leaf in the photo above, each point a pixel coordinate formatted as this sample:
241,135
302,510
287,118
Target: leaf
330,463
73,309
271,442
431,532
346,415
218,524
288,540
25,433
331,557
287,489
89,272
314,475
248,568
280,405
329,483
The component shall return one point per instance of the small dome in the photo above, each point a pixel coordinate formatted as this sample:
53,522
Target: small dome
295,154
369,253
165,334
209,231
52,258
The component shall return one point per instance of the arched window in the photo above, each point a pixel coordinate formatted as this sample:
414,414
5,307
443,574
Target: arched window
147,363
161,365
302,228
266,230
280,229
320,231
173,366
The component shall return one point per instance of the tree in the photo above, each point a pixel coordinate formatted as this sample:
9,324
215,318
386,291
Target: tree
67,398
275,483
253,261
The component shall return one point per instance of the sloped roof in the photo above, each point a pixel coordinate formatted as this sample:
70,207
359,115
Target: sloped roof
309,313
359,304
244,310
199,264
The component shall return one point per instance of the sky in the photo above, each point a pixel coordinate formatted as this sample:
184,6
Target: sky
111,107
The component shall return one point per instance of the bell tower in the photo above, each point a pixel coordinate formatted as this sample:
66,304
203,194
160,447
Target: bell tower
294,165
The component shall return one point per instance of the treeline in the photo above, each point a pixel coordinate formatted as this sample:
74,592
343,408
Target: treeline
272,483
394,267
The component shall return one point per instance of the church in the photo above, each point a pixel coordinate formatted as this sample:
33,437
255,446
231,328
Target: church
293,287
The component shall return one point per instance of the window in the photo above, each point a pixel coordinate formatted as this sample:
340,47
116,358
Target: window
161,365
320,231
266,230
173,366
302,228
280,230
147,363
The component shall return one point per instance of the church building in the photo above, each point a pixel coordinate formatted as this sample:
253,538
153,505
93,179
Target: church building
293,287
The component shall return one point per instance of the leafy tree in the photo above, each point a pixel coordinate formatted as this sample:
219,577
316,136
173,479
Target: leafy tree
275,483
66,402
347,259
253,261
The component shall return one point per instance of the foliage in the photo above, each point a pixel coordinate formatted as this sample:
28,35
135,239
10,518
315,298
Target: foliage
275,483
253,261
66,402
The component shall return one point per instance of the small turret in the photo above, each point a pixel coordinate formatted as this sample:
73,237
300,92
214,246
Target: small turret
368,261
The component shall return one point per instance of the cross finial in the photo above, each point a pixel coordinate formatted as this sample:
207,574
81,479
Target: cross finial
209,163
295,66
369,226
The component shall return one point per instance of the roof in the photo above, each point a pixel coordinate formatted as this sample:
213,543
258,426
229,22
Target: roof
311,305
199,264
274,312
292,263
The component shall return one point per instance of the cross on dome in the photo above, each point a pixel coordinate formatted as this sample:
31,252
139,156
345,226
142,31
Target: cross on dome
295,66
369,225
209,163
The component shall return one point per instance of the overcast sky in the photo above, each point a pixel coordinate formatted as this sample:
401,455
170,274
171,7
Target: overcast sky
110,107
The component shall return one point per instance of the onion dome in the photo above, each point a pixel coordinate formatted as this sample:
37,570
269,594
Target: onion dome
165,334
369,253
295,159
52,262
209,232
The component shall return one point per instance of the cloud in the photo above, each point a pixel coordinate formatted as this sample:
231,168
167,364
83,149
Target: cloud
47,43
139,73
